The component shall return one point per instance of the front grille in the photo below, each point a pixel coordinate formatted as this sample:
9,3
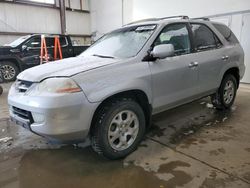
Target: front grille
22,86
22,114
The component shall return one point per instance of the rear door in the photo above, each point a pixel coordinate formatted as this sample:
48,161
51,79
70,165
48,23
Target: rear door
174,79
210,55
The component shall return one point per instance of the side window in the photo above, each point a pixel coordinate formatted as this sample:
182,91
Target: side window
63,41
204,38
227,33
50,42
35,42
177,35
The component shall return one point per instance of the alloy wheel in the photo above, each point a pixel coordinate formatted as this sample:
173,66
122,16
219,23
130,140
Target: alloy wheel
123,130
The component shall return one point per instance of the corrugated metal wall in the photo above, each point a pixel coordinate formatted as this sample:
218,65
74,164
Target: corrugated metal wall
20,18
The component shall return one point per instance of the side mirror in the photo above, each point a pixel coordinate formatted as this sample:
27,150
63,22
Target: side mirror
24,47
162,51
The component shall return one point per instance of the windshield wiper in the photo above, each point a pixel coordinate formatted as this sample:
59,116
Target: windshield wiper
103,56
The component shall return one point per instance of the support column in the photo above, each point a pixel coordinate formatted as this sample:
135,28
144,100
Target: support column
62,16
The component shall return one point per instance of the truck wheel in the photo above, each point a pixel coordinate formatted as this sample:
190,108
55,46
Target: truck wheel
9,70
225,96
118,129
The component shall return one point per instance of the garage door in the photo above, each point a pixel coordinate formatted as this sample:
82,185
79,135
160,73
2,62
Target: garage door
245,38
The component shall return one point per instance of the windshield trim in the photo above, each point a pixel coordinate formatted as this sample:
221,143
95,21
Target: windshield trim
156,26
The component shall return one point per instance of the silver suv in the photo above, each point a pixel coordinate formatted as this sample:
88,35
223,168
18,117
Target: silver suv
110,91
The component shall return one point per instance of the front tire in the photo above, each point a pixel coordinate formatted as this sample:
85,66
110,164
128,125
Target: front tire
118,128
225,96
9,71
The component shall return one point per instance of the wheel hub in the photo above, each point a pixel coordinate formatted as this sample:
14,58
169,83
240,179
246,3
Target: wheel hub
8,72
123,130
229,91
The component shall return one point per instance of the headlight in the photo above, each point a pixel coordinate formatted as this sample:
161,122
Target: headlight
55,85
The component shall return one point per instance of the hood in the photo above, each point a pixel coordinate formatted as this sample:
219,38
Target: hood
66,67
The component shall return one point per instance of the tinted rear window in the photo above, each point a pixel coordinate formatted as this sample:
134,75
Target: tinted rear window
204,38
227,33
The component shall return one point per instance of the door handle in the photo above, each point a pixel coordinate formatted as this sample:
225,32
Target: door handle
193,64
225,58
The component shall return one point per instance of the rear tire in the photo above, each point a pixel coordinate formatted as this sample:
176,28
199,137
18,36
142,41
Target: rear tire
118,128
9,71
225,96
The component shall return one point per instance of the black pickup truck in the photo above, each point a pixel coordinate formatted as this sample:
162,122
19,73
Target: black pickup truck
24,53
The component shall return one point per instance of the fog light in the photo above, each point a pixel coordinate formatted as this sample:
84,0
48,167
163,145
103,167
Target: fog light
38,118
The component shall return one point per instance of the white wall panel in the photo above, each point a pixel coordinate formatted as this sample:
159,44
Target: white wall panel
78,23
106,15
86,4
34,19
193,8
23,18
5,39
75,4
236,25
245,38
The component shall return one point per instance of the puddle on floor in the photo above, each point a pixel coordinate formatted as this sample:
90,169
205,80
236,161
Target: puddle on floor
27,160
186,121
72,167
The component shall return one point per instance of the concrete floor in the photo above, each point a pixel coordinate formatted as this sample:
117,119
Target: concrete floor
190,146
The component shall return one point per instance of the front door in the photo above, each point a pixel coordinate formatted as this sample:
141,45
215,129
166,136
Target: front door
174,79
31,54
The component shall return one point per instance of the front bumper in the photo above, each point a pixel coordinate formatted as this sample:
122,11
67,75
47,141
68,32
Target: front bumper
64,117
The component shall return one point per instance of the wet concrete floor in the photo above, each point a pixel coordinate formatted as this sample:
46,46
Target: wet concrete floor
190,146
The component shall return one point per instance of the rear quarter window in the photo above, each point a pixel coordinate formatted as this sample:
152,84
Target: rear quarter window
227,33
204,37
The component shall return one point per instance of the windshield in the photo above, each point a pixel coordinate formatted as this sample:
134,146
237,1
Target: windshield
18,41
122,43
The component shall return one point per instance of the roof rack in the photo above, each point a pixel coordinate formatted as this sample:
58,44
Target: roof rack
144,20
170,17
158,19
201,18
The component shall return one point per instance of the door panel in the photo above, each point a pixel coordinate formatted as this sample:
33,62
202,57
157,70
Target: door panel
31,57
174,82
210,66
